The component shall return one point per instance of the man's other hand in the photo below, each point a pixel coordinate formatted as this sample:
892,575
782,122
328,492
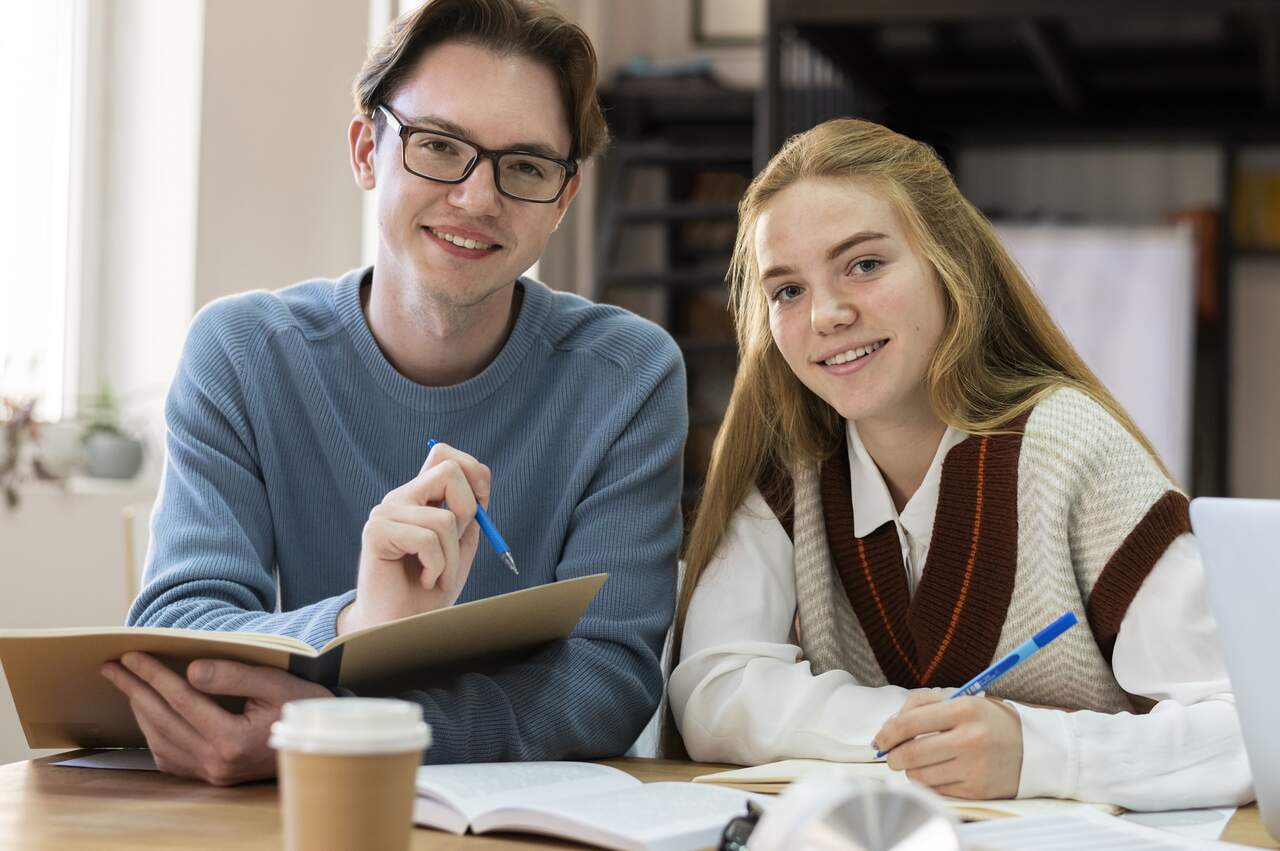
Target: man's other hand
189,734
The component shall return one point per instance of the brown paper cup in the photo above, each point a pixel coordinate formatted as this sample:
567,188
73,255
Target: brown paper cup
344,802
347,769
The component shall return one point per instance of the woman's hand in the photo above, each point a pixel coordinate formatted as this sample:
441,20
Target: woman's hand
970,747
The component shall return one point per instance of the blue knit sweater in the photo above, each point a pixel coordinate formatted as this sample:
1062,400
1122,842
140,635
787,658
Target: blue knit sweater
287,425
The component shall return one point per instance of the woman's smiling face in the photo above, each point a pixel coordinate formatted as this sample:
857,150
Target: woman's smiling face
854,309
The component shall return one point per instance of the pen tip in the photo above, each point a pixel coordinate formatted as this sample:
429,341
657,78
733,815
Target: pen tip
510,562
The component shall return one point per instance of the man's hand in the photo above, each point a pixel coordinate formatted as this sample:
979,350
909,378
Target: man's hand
419,542
192,736
970,747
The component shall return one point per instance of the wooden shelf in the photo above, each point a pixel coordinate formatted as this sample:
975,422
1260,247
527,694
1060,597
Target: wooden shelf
678,278
667,153
640,214
1257,252
696,345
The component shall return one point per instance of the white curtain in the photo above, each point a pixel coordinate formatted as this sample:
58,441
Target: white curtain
1125,297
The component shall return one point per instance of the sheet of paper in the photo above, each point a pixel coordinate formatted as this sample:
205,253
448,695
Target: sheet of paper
773,778
1195,824
1080,828
132,759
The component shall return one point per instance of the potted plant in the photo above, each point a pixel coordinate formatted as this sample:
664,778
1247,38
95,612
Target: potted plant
110,453
19,448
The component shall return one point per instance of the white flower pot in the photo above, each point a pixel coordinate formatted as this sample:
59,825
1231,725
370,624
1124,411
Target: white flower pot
112,456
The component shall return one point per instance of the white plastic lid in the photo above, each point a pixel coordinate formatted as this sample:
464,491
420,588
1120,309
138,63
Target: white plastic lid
350,725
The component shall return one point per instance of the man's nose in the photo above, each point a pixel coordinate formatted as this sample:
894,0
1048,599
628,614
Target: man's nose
478,194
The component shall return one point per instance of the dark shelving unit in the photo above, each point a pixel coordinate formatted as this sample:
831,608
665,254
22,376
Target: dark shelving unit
960,72
691,142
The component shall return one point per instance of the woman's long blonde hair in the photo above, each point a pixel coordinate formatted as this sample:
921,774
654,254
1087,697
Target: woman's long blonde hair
1000,351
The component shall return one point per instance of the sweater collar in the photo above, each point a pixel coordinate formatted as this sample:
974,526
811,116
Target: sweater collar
534,310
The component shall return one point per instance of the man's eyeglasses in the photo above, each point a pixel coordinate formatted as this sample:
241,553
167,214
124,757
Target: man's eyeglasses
446,158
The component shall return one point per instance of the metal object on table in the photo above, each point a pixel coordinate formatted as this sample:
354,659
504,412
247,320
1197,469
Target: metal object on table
834,813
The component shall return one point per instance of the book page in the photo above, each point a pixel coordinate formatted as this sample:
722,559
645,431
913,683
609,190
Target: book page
163,634
1081,828
645,817
475,788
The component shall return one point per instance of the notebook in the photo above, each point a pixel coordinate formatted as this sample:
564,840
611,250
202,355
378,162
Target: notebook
593,804
63,701
774,777
1083,827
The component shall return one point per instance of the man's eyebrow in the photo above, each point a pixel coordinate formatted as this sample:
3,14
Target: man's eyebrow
435,122
858,238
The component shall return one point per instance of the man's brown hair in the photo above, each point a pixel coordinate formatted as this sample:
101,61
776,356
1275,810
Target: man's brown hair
529,28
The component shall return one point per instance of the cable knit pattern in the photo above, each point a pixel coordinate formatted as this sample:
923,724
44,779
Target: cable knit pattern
1093,514
286,425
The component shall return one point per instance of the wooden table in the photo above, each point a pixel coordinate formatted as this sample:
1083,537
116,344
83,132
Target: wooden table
44,806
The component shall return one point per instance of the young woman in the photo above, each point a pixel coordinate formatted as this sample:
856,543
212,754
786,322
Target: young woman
916,473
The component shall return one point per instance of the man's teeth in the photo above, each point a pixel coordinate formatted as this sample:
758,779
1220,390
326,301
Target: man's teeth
853,354
460,241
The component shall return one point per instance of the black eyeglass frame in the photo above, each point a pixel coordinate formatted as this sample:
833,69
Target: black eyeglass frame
404,131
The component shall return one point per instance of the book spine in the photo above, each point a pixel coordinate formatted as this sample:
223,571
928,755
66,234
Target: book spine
321,670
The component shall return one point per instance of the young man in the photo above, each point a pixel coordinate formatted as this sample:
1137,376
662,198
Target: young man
298,424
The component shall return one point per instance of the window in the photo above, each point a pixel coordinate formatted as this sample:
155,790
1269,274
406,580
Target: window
37,74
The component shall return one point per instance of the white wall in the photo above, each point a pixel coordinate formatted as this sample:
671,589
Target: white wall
139,287
277,202
63,564
1255,397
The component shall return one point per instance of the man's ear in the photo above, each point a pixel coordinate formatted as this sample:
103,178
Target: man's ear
575,183
362,141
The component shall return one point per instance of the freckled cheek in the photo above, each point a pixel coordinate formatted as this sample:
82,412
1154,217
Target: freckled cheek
788,338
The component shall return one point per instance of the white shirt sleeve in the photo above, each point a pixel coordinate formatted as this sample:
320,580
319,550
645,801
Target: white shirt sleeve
741,692
1188,751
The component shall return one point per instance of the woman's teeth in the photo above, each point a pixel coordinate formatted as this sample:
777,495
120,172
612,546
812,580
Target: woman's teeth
853,354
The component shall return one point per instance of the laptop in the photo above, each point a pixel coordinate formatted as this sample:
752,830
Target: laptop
1240,544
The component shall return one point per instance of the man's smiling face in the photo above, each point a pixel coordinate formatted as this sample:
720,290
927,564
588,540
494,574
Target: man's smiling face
461,243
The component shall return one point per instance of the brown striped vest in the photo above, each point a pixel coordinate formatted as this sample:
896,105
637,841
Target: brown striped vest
1068,513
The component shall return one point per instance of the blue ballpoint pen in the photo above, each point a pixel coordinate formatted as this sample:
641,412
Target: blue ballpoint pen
490,531
1020,654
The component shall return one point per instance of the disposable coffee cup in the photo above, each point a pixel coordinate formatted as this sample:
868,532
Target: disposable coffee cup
346,768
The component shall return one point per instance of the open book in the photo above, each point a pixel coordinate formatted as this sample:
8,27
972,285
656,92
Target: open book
63,701
593,804
774,777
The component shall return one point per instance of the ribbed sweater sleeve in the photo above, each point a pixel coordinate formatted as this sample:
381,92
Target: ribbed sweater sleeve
212,552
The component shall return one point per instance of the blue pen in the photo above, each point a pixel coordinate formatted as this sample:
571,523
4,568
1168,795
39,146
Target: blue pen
1020,654
490,531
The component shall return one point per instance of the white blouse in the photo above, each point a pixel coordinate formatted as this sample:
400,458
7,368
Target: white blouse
741,693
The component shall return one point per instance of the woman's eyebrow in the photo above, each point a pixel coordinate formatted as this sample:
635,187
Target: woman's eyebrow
859,237
834,252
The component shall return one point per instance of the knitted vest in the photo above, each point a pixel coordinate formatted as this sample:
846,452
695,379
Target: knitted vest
1067,514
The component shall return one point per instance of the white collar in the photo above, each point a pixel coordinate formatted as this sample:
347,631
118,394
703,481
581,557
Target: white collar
872,504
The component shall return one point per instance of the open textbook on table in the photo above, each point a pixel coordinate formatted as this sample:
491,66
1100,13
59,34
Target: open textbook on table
589,803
